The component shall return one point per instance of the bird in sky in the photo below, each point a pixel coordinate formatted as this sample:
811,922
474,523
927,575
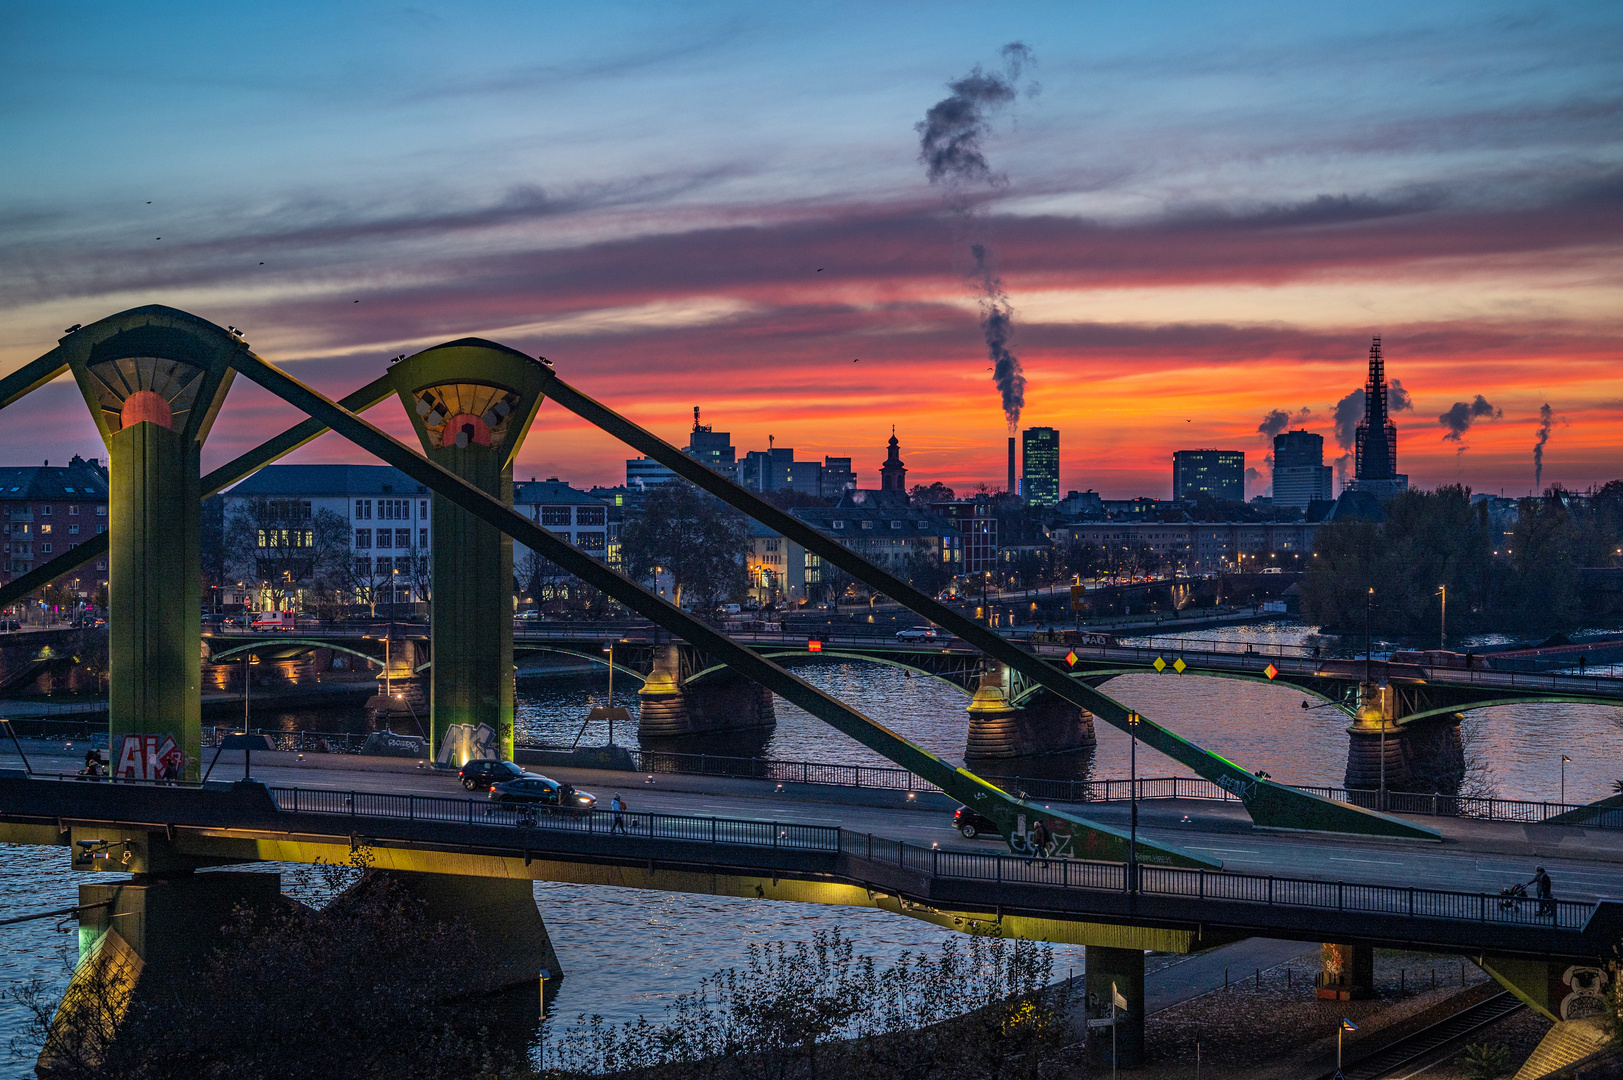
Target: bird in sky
858,360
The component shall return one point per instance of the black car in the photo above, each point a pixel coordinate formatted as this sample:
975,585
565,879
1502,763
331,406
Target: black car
483,774
972,824
544,792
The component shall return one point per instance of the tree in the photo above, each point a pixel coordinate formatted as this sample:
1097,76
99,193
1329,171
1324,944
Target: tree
925,571
697,540
926,494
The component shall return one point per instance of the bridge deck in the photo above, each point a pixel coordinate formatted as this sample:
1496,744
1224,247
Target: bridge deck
250,823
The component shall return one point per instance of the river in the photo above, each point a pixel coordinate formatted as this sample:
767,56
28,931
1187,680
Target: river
626,952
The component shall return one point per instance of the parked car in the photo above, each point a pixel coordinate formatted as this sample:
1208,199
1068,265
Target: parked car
483,774
545,792
10,624
918,633
972,824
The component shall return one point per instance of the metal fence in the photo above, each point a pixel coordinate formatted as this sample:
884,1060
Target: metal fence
766,834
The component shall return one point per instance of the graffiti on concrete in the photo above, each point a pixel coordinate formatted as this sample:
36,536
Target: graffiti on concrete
463,743
149,757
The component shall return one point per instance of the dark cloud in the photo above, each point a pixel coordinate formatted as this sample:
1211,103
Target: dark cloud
1461,415
1319,210
1279,420
1349,411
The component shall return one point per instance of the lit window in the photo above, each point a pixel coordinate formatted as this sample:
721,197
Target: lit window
73,511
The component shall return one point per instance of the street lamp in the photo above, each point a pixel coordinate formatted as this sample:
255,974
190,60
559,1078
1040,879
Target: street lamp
1564,760
1346,1025
1442,631
1132,818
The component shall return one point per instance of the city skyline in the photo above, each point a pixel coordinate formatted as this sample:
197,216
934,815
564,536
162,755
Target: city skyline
1202,222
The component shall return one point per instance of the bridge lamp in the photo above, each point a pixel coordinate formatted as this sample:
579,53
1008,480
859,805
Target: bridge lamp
1346,1025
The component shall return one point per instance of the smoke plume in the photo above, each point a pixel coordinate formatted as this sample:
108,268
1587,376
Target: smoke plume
1461,415
950,148
1397,398
1546,420
1279,421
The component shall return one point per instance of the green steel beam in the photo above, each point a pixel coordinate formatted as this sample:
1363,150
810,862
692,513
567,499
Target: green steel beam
232,471
1075,836
1271,805
31,376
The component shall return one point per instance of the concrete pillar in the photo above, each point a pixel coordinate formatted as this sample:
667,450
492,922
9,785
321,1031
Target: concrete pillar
1046,724
500,912
1346,972
154,379
1123,968
661,708
471,403
1373,734
151,935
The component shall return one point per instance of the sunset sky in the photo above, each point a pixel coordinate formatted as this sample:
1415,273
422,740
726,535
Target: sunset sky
1200,216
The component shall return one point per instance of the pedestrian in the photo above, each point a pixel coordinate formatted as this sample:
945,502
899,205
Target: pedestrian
1541,884
1039,840
1582,661
619,808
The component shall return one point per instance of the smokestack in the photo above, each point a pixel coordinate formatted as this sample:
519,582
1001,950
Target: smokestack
1011,465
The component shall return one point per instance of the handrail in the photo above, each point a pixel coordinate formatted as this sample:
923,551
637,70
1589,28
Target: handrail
1206,885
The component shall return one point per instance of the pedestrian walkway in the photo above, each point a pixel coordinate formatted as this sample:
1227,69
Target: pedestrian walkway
1201,973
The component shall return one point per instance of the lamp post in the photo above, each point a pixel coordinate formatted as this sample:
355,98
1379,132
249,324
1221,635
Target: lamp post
1346,1025
1369,603
1564,760
1442,626
610,647
1132,812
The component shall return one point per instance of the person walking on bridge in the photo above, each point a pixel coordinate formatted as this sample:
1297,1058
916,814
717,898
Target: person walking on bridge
1541,887
619,808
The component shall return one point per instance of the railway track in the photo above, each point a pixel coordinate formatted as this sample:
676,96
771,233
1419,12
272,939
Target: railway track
1411,1048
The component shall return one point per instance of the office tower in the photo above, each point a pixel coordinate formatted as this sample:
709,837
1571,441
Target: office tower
1039,475
1300,475
1218,473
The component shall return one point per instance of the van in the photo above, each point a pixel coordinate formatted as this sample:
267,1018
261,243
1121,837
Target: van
274,621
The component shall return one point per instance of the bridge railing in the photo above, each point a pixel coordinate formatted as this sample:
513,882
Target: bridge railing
1351,897
1340,896
370,804
1481,808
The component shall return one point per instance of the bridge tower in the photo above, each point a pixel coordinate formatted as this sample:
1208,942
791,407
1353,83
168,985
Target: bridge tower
154,379
1039,724
1374,735
471,402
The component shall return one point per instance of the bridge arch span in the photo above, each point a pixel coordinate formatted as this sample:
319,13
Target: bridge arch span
1097,677
829,655
307,643
578,654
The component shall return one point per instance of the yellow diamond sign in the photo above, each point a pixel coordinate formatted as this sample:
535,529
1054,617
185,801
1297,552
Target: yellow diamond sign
1178,665
1270,671
1159,665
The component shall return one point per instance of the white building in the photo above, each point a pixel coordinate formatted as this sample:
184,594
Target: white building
388,515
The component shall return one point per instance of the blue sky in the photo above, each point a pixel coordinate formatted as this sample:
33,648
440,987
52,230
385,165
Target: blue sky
435,161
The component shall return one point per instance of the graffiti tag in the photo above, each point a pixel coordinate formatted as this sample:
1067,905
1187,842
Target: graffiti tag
149,757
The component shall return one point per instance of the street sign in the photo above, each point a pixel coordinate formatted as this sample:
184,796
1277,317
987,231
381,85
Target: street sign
1076,597
1270,671
814,645
1159,665
1178,665
1070,658
1116,998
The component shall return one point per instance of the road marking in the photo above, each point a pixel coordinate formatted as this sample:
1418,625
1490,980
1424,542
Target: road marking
1371,862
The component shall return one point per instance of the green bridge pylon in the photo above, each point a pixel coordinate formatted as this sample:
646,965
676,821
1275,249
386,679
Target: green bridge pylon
471,403
154,379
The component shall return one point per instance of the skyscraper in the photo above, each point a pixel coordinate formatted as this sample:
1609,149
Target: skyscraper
1039,474
1218,473
1375,465
1300,474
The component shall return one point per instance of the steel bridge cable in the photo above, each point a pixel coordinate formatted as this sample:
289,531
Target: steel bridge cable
1098,841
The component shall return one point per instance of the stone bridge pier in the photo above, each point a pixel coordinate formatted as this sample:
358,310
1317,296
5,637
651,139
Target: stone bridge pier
1004,723
673,704
1426,756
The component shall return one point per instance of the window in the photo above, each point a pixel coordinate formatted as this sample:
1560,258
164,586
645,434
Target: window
101,564
769,545
73,530
590,515
385,538
384,564
867,524
73,511
363,509
101,511
402,538
896,524
46,548
838,524
555,515
45,511
100,528
45,528
363,538
590,541
363,567
422,509
394,509
422,538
